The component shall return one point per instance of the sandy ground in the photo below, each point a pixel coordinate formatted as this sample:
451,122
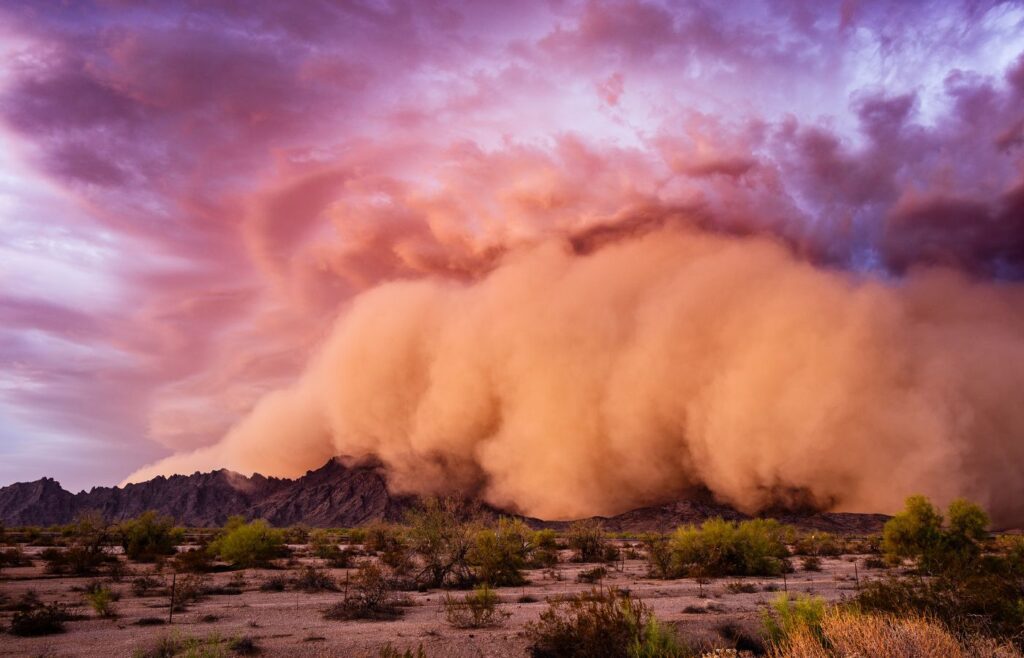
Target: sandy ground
291,623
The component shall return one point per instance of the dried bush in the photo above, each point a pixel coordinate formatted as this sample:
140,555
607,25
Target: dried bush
810,563
310,579
442,542
587,539
478,609
276,583
846,633
368,596
193,561
600,624
39,619
740,587
388,651
187,590
595,575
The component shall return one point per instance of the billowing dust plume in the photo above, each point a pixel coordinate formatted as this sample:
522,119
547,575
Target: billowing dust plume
566,384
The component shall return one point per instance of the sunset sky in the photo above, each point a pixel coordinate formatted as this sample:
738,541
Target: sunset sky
192,193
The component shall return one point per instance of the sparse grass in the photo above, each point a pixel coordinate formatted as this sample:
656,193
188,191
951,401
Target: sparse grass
388,651
787,615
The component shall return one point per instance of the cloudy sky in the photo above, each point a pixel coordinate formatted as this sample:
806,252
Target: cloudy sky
192,192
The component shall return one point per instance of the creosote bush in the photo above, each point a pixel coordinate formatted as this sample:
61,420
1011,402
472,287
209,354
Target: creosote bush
601,624
441,541
36,618
101,599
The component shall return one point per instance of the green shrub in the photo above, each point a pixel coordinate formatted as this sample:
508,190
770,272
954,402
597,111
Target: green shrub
543,549
600,624
101,600
787,615
478,609
587,539
810,563
248,544
499,554
724,548
148,536
818,544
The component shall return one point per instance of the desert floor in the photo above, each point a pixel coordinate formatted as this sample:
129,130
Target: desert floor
290,623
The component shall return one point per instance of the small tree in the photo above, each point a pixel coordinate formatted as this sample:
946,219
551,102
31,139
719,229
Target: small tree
918,533
149,536
248,544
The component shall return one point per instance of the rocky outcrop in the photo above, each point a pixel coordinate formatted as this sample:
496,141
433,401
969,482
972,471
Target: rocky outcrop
338,494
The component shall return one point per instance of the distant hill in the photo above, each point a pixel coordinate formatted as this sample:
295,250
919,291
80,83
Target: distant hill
335,495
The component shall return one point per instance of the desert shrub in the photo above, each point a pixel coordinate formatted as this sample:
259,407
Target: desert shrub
367,596
187,590
740,587
599,624
846,633
388,651
39,619
595,575
276,583
499,554
171,645
101,600
874,563
819,544
148,536
245,645
310,579
810,563
724,548
14,557
988,603
248,544
295,534
918,532
478,609
381,537
442,542
147,586
587,539
787,615
325,546
194,560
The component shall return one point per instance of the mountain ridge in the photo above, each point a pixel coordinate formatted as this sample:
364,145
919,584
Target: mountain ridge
341,493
